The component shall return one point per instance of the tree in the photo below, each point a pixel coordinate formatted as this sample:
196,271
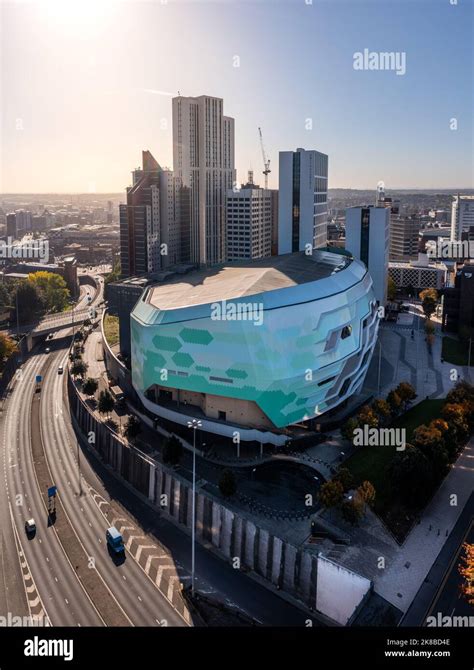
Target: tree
429,300
347,430
406,393
133,427
6,299
366,492
344,476
90,386
30,302
115,274
382,411
391,289
79,336
429,327
411,474
106,402
331,494
172,450
456,416
7,347
52,288
429,440
368,417
466,570
460,393
353,509
394,402
79,368
227,483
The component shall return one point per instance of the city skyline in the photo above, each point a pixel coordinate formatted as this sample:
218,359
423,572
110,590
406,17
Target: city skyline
94,109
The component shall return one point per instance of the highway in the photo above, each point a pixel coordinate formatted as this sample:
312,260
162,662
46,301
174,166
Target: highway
51,586
143,590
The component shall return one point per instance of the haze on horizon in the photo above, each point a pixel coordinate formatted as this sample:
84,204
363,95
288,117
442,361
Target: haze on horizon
87,84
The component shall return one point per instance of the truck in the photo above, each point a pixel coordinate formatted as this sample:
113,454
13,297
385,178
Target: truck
114,540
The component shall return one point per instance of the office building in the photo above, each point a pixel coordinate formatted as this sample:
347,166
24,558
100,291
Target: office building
404,238
367,239
203,161
462,215
302,207
458,303
249,222
149,235
11,225
255,346
23,221
418,275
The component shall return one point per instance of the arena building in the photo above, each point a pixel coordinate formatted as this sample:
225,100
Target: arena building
255,346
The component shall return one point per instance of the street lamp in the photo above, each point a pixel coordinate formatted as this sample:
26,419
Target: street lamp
194,424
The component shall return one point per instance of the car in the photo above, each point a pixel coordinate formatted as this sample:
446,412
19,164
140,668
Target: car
60,370
47,350
30,527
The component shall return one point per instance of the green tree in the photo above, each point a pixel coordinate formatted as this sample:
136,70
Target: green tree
79,368
227,483
133,427
429,300
466,570
331,494
90,386
30,302
52,288
172,450
5,297
106,402
344,476
391,289
7,347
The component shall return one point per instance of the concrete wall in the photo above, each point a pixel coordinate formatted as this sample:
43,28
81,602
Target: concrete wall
339,591
333,590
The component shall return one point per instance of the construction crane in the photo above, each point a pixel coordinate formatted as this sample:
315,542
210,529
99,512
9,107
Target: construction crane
266,161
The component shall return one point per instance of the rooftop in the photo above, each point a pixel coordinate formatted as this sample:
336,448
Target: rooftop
245,278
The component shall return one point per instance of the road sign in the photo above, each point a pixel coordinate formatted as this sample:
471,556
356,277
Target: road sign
52,491
38,379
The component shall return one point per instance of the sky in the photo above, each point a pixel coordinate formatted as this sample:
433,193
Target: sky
85,85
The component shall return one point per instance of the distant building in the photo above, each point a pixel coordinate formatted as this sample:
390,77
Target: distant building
302,206
367,239
419,274
23,221
462,215
38,223
11,225
404,238
249,223
203,161
458,303
148,239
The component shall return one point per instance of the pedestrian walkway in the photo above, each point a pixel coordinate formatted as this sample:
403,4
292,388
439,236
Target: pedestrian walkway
400,580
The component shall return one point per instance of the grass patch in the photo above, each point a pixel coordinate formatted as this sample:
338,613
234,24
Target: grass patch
372,463
424,412
456,351
111,329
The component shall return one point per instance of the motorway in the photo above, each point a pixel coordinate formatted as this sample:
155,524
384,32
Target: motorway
90,497
51,585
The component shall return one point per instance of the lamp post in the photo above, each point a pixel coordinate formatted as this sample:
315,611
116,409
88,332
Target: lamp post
194,424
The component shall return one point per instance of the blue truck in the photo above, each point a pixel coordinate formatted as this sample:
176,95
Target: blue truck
114,540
